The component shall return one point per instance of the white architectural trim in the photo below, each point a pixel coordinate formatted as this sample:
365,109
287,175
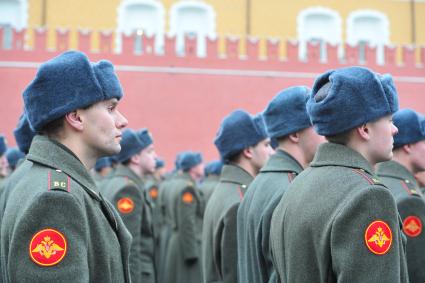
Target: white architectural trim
352,36
334,37
121,13
23,15
208,31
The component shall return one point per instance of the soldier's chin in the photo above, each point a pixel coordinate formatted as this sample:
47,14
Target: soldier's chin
112,151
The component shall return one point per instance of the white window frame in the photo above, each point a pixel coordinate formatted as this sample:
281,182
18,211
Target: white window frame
121,13
21,24
353,38
303,35
201,38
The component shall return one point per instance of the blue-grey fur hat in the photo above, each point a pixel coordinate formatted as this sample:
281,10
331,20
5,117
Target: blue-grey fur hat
102,163
189,159
145,137
3,145
238,131
66,83
346,98
130,145
213,168
23,134
13,155
287,112
159,163
411,127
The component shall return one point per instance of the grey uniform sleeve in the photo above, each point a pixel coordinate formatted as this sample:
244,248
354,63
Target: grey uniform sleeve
412,212
63,213
366,241
229,247
132,218
187,216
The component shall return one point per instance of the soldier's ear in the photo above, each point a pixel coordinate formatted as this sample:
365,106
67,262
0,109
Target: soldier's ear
294,137
247,152
74,120
407,148
363,131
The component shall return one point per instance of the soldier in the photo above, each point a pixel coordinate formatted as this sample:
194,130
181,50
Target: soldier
184,248
398,175
165,216
102,169
126,192
56,227
287,122
14,156
244,148
336,222
212,176
4,166
23,135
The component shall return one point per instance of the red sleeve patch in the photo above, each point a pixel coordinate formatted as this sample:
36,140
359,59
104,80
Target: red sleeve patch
48,247
187,197
412,226
125,205
378,237
153,192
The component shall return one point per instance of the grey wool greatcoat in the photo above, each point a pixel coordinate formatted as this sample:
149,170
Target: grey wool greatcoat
125,191
254,216
338,223
219,239
411,206
183,260
56,228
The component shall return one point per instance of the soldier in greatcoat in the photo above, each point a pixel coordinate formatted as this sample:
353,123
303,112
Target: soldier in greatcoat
125,190
288,123
56,227
183,259
244,147
336,221
398,175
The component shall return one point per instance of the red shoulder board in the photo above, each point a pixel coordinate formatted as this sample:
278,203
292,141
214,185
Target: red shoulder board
125,205
187,197
48,247
378,237
412,226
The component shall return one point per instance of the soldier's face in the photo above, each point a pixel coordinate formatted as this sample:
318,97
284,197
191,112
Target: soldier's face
103,124
381,133
261,152
148,159
418,156
309,142
4,165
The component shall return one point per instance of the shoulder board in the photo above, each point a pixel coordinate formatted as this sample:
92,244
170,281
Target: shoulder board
372,180
58,181
410,188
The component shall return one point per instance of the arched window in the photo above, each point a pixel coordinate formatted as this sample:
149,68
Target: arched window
13,14
318,24
144,17
192,18
367,27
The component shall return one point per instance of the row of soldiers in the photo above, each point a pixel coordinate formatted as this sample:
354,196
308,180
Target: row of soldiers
336,200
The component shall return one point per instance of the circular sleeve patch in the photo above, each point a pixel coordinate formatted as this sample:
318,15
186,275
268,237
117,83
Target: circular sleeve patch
378,237
48,247
153,192
412,226
187,197
125,205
